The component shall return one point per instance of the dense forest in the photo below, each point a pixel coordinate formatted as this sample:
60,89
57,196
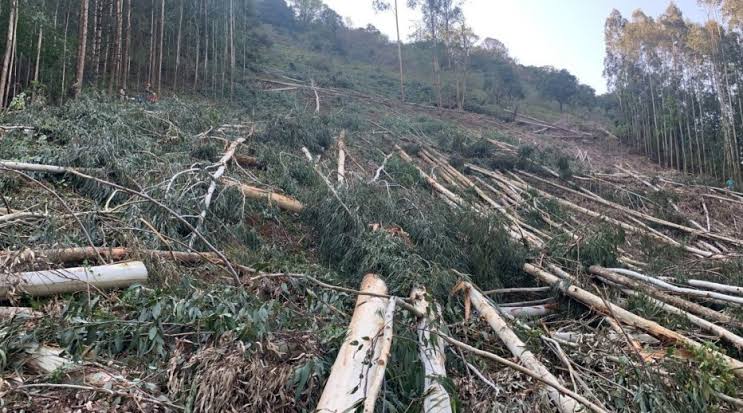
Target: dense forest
678,85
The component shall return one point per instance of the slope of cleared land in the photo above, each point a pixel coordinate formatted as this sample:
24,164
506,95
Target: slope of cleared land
256,239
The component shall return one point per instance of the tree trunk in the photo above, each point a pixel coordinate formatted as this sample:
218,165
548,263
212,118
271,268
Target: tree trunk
517,347
43,283
178,46
64,58
38,55
282,201
82,39
160,58
351,375
126,59
432,355
602,306
399,54
8,50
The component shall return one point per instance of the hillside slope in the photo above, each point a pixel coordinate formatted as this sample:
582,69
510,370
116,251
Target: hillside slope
254,315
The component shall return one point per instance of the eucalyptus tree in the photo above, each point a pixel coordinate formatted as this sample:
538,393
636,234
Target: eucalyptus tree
431,11
382,5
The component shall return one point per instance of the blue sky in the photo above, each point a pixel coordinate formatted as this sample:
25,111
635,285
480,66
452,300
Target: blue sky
566,34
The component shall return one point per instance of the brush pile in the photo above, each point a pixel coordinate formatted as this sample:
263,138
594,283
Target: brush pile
350,254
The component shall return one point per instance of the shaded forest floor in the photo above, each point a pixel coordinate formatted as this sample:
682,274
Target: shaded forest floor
261,333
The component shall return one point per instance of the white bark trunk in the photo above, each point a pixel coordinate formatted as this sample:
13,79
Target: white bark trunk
518,348
350,376
604,307
432,357
213,186
342,158
380,364
42,283
715,286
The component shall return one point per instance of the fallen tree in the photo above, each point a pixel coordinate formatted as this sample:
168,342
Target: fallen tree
651,291
351,376
41,283
516,346
282,201
80,254
222,166
431,352
604,307
690,292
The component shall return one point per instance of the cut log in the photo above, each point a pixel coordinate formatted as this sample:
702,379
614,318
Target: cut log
47,361
593,197
679,290
79,254
32,167
651,291
213,186
718,331
529,312
590,213
342,158
432,355
717,287
380,364
351,375
517,347
447,194
282,201
604,307
42,283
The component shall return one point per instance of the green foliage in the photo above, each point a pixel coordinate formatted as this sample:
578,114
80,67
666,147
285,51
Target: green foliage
297,131
600,247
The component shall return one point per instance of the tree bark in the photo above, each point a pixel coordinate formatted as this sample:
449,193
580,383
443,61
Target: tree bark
517,347
38,54
178,46
432,354
350,376
399,54
282,201
43,283
4,77
82,39
604,307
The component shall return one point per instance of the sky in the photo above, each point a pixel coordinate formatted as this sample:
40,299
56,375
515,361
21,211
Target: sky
566,34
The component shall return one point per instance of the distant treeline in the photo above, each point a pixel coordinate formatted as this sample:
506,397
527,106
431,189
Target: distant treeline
679,87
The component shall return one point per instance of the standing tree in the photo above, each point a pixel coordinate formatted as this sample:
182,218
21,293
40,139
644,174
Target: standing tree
83,37
10,41
431,10
381,5
559,85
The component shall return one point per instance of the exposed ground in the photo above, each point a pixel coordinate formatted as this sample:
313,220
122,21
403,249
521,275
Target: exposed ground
430,198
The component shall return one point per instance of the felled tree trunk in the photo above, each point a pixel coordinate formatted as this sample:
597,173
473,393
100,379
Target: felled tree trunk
431,352
282,201
213,186
352,373
79,254
604,307
718,287
342,158
518,348
667,298
380,364
42,283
